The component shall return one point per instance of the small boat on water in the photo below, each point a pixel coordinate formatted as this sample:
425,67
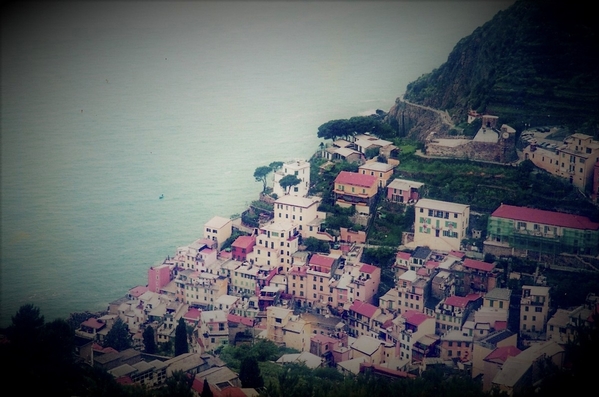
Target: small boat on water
161,196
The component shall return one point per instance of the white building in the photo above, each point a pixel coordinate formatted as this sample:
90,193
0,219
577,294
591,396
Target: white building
299,168
440,225
299,211
275,244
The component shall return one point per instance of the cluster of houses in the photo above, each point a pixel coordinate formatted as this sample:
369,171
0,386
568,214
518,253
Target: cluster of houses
576,159
445,308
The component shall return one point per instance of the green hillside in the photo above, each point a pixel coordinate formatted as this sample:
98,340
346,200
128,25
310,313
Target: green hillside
536,62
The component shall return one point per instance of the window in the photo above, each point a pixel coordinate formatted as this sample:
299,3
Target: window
538,309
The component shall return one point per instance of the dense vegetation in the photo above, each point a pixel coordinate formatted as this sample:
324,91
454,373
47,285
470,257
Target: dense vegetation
532,63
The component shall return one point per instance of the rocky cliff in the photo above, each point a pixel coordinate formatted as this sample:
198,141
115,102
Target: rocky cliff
535,63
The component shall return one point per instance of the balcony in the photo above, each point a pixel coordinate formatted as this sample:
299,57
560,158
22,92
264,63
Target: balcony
531,301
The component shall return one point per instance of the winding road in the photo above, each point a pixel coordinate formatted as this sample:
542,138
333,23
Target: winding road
445,117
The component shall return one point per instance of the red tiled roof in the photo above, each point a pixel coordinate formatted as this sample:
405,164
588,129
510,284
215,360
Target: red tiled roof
415,317
457,254
363,308
403,255
225,254
243,241
501,354
545,217
432,264
353,178
192,314
138,291
422,272
366,268
318,338
240,320
500,325
124,380
461,301
93,323
231,392
478,265
322,261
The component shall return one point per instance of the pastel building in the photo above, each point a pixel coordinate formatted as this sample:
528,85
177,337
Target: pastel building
361,317
319,294
456,344
534,310
354,189
365,282
403,191
440,225
495,308
573,160
299,168
277,319
242,246
276,242
410,333
411,292
218,229
485,346
159,276
300,211
452,312
213,329
371,349
382,171
366,142
200,289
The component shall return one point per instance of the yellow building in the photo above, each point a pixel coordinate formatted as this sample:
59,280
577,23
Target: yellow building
573,160
354,189
218,229
534,310
382,171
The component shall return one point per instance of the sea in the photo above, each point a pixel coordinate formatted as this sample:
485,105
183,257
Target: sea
108,106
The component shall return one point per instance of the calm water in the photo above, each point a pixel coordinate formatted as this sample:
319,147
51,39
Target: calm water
106,106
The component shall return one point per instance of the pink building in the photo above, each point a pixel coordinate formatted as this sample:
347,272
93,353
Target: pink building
367,283
361,317
158,277
242,246
403,191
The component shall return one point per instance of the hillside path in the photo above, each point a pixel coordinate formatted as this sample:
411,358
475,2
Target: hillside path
445,117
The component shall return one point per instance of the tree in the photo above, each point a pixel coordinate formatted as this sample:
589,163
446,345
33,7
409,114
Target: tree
249,373
334,129
289,180
276,165
26,326
315,245
206,392
118,337
178,385
260,175
149,340
181,346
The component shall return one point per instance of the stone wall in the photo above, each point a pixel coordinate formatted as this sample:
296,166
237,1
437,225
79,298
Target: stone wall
481,151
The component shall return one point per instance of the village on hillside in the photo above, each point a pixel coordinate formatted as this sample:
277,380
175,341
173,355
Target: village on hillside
449,306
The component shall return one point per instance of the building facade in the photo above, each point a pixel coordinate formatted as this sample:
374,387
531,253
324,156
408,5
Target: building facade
516,230
440,225
299,168
354,189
